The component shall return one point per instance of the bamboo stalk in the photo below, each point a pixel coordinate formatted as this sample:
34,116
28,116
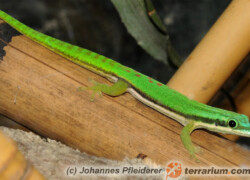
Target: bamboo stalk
12,163
217,55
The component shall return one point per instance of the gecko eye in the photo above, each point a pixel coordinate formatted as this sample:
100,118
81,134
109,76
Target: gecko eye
232,123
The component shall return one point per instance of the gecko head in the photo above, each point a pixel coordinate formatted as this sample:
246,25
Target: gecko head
239,125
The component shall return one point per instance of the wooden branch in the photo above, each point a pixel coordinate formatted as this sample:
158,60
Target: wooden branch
39,90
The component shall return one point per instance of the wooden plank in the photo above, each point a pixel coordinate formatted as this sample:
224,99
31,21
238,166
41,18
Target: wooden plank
7,122
39,90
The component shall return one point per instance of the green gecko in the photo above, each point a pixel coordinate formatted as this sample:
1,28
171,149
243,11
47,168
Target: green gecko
191,114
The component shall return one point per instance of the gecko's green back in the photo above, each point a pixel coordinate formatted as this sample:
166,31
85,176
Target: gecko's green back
150,88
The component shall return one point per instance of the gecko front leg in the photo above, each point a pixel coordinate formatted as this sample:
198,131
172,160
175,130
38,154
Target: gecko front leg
186,139
117,89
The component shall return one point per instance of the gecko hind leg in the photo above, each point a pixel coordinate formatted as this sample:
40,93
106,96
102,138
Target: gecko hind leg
116,89
187,142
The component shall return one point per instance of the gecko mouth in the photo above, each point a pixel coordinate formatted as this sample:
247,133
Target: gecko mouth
242,132
224,130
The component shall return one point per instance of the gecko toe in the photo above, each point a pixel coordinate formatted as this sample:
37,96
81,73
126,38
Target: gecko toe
81,88
198,150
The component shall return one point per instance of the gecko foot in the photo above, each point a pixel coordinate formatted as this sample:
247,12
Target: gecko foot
116,89
198,150
96,89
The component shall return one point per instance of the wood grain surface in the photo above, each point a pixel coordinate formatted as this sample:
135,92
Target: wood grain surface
38,89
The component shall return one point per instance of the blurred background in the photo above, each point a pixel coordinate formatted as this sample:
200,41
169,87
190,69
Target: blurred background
96,25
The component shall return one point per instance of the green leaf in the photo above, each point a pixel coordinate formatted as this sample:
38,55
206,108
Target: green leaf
135,17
